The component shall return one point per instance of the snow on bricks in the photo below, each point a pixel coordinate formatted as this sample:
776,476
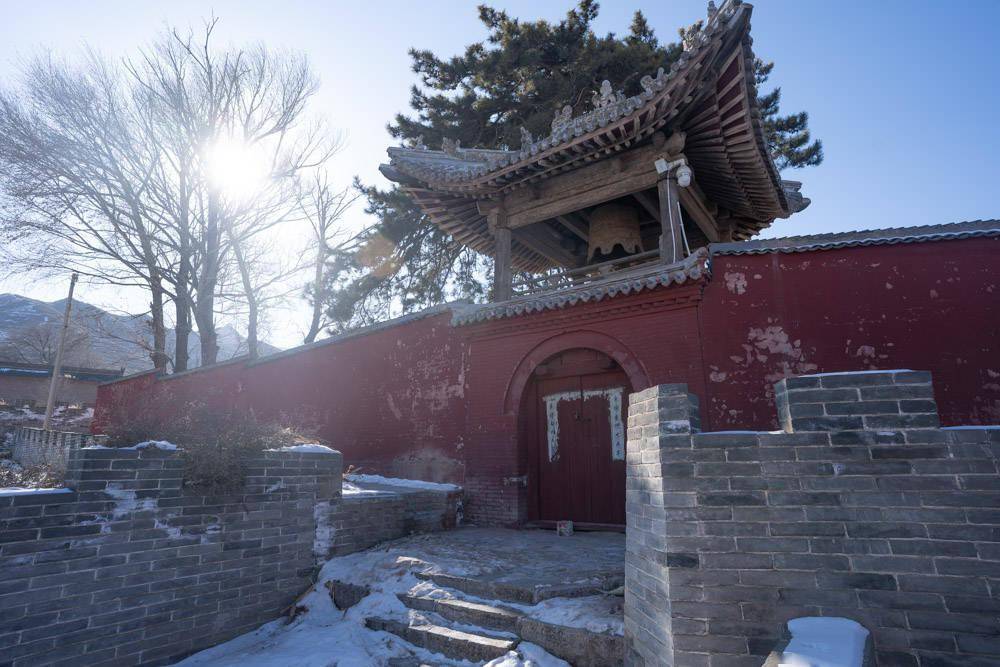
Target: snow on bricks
125,565
862,508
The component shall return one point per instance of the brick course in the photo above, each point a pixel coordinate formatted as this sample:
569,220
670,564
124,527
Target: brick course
890,522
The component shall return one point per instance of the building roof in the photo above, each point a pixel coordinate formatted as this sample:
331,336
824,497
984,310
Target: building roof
866,237
20,369
709,93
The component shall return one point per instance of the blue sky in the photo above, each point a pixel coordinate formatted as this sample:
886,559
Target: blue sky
904,95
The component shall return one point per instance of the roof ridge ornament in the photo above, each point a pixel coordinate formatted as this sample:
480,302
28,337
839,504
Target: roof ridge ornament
606,96
416,143
526,139
562,120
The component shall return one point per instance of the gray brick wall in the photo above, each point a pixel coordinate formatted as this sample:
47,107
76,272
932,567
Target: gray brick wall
660,420
861,509
124,566
362,520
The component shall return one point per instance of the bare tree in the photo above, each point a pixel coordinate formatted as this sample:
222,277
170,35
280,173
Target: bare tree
323,208
114,172
242,104
37,344
75,174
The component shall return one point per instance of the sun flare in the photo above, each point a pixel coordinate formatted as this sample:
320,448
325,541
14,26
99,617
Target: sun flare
239,170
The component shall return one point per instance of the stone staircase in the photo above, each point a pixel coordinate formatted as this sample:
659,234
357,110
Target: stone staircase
484,628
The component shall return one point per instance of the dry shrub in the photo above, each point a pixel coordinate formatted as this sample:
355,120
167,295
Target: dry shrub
13,475
215,445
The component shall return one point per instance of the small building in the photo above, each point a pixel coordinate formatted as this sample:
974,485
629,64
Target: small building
27,385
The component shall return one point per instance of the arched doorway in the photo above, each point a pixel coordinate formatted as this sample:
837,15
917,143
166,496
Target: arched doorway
572,424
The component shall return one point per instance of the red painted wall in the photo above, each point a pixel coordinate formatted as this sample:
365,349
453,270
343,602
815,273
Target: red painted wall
425,399
923,306
391,398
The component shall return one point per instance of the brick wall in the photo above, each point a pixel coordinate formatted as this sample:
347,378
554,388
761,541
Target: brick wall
124,566
363,519
874,515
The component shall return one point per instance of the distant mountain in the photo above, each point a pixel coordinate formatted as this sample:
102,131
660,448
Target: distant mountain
29,331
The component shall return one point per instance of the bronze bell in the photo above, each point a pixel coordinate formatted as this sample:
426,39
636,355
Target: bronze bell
613,225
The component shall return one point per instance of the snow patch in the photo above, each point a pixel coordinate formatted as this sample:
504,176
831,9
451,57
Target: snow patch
398,481
21,491
596,613
314,447
824,641
127,501
323,540
155,444
173,532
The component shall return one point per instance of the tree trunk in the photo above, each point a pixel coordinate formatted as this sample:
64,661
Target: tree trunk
204,311
182,303
159,353
249,293
317,305
182,329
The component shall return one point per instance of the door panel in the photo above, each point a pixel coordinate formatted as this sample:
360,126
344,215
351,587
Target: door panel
579,440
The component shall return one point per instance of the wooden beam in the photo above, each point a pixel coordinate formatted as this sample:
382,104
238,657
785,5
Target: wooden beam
699,212
542,243
647,203
502,276
572,225
589,185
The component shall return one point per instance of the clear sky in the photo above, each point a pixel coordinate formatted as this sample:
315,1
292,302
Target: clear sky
904,94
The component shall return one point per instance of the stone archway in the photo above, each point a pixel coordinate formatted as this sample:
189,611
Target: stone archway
592,340
569,397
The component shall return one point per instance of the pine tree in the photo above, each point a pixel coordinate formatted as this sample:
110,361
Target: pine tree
517,77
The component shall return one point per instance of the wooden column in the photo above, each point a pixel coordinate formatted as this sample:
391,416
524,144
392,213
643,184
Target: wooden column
502,277
671,234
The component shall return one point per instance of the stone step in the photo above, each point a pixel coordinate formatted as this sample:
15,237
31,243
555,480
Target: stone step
522,592
446,641
469,613
578,646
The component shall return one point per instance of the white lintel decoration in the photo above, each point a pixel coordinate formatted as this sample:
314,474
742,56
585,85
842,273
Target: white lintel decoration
614,397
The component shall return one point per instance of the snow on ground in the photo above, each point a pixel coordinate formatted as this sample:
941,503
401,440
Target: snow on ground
21,414
324,636
398,481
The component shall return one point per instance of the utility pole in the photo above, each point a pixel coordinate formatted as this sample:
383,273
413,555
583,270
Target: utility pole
57,368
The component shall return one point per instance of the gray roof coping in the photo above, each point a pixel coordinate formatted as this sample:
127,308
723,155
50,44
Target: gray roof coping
864,237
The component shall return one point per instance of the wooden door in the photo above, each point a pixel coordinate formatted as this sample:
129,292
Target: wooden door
579,403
